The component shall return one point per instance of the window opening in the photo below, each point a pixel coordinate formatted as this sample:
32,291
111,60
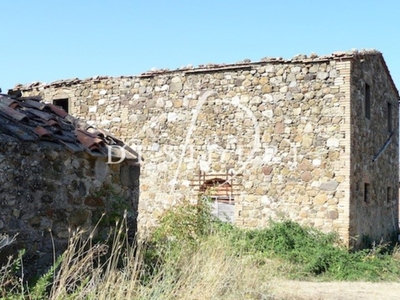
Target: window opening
367,101
389,117
218,189
221,189
367,192
389,195
62,103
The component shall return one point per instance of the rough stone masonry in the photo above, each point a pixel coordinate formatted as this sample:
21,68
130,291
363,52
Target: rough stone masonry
313,139
55,179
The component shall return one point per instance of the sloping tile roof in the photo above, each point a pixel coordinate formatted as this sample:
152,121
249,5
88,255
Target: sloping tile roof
29,119
246,63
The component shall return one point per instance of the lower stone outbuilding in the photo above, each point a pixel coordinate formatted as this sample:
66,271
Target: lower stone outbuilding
56,178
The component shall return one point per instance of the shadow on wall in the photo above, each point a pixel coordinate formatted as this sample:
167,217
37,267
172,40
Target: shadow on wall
47,194
55,178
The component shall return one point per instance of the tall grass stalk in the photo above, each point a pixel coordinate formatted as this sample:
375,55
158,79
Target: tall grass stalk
192,256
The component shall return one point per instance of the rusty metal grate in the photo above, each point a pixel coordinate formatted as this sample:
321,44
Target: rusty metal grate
221,187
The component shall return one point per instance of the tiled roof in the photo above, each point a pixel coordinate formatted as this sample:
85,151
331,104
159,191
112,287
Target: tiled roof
246,63
29,119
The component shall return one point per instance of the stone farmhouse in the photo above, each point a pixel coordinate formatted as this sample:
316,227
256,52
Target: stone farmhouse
313,138
55,177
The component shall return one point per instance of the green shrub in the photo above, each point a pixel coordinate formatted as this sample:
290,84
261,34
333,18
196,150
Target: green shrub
191,250
184,225
180,230
315,253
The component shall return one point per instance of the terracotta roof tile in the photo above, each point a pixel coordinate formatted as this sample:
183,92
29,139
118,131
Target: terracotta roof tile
41,132
11,113
58,110
41,114
28,119
16,130
35,104
89,140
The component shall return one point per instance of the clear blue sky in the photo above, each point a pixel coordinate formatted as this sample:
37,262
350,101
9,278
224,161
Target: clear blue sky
51,40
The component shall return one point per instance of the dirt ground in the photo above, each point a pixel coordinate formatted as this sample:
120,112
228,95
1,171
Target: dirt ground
300,290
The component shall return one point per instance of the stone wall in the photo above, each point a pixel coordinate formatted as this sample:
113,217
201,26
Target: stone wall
373,213
283,127
47,192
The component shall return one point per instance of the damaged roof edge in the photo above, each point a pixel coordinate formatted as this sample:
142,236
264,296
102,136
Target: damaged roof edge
312,58
29,120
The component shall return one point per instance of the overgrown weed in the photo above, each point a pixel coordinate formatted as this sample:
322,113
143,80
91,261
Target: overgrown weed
191,255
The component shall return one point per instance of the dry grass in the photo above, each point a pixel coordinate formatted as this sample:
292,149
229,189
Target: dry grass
115,271
97,271
6,240
210,272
